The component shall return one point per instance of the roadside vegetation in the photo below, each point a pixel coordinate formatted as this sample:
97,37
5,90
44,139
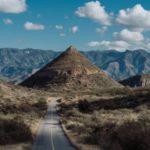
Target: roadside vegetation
114,120
20,112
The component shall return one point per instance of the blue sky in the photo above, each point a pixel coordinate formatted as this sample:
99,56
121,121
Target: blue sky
88,25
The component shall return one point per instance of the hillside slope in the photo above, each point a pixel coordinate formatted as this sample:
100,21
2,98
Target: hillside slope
70,70
114,120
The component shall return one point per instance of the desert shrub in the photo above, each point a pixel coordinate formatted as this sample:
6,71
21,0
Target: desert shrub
84,106
6,109
71,125
118,123
12,132
25,107
128,136
74,113
100,134
18,118
40,108
118,91
41,105
134,135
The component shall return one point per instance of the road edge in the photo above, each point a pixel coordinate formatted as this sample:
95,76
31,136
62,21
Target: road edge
67,135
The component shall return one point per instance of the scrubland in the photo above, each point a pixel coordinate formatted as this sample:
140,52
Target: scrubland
21,110
116,119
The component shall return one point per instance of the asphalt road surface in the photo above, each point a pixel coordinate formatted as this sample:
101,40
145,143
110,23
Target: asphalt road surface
51,135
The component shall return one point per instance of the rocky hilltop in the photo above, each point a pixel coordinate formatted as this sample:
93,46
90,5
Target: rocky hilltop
70,70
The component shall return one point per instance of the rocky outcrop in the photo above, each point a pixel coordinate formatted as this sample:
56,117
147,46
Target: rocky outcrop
137,81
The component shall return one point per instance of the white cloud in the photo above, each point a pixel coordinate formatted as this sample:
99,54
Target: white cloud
32,26
7,21
13,6
148,46
95,11
62,34
75,29
120,45
129,36
59,27
109,45
137,18
102,29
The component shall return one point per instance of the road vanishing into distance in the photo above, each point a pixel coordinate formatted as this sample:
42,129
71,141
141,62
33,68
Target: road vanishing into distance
51,136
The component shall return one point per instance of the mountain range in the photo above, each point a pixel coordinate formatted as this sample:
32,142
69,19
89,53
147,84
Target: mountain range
18,64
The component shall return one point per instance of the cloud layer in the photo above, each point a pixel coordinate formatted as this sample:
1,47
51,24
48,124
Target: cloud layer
13,6
102,29
127,29
134,23
7,21
75,29
59,27
33,26
95,11
129,36
109,45
137,18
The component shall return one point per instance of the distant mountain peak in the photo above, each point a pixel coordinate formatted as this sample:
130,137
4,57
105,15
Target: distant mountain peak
71,49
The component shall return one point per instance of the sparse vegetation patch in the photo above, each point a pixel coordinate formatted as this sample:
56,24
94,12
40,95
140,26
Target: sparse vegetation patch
119,123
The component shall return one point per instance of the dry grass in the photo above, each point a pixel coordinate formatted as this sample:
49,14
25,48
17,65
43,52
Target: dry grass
119,123
22,146
20,112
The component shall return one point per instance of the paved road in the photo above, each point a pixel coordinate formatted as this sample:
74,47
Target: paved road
51,135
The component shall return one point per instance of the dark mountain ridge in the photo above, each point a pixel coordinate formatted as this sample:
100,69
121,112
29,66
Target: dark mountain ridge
137,81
